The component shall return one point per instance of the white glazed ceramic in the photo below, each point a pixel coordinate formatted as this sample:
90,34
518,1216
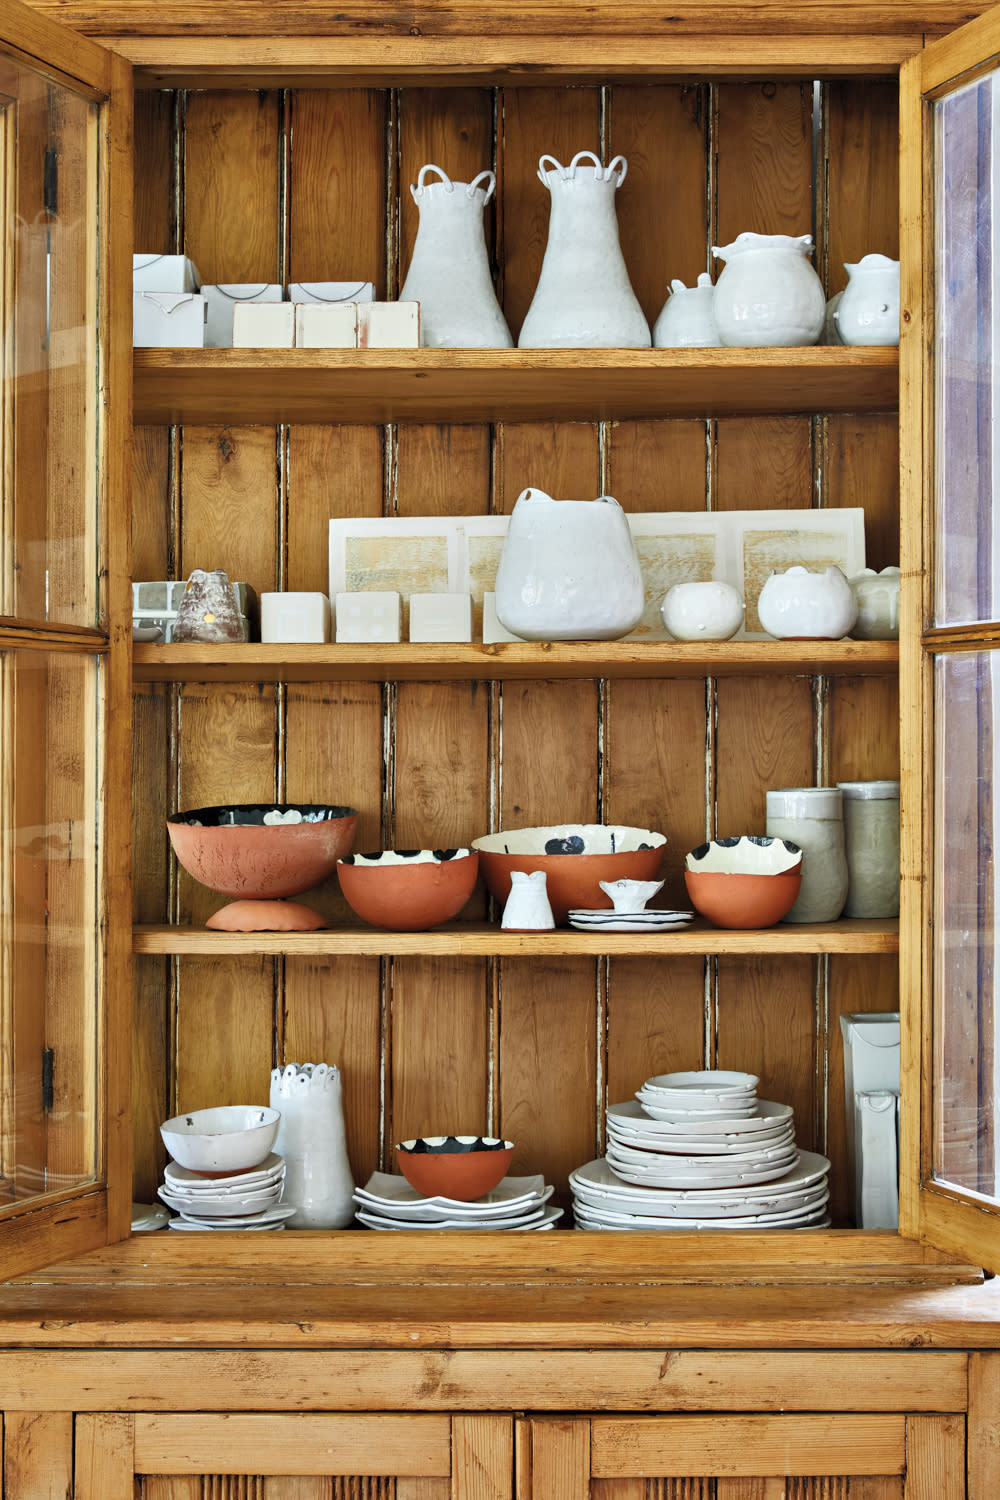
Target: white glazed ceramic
568,570
228,1138
527,907
831,333
868,312
768,294
630,895
584,298
813,818
750,854
318,1182
800,605
877,596
710,611
449,273
687,320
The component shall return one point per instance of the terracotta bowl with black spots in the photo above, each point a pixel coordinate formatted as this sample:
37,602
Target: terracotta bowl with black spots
747,882
408,890
461,1167
576,858
259,852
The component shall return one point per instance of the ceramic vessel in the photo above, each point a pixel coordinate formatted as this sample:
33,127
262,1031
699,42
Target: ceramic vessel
311,1139
576,857
813,818
277,849
877,596
462,1167
799,605
830,334
744,882
709,611
527,908
868,312
449,273
629,896
568,570
209,611
768,293
226,1139
687,320
408,890
584,298
871,843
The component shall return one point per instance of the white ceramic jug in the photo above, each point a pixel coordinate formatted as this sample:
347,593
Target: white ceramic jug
528,908
868,311
584,298
687,320
800,605
768,293
568,571
449,272
311,1138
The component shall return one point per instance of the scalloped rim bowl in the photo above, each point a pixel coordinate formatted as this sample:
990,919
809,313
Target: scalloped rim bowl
227,1138
244,857
746,854
590,853
746,882
461,1167
408,890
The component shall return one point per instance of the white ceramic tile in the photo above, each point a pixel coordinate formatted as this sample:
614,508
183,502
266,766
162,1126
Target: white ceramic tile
294,617
263,325
371,616
440,617
168,320
222,300
388,325
164,273
326,325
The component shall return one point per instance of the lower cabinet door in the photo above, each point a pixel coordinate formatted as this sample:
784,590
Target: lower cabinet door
864,1456
308,1456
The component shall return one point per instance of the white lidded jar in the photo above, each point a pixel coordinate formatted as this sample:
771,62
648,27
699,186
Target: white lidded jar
871,837
812,817
312,1141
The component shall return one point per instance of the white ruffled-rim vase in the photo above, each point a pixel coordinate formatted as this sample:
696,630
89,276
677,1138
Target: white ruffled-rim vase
312,1140
768,295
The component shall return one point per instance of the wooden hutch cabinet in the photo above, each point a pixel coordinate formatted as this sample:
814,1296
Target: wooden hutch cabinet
276,144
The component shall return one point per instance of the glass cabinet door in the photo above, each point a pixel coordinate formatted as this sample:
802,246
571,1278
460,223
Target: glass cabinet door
61,570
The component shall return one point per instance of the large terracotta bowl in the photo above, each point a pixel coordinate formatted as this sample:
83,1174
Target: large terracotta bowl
751,881
408,890
576,857
234,851
462,1167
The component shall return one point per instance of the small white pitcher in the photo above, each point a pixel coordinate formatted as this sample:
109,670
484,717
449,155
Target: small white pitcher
527,908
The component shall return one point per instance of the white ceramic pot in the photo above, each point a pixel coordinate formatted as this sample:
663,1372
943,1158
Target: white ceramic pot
877,596
710,611
449,272
768,293
868,312
813,818
830,334
584,298
799,605
687,320
311,1138
528,908
568,571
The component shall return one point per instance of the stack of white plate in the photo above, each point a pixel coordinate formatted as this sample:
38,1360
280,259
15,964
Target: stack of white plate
389,1202
706,1094
601,1200
606,919
243,1200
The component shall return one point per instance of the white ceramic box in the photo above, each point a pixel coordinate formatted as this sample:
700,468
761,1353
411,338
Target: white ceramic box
326,325
164,273
374,616
388,325
440,617
331,291
263,325
222,300
295,617
168,320
871,1066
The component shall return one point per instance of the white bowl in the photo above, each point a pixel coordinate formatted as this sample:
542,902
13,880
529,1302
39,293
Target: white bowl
711,1082
230,1138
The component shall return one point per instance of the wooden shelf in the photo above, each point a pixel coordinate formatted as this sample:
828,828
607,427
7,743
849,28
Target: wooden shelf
514,662
480,940
208,386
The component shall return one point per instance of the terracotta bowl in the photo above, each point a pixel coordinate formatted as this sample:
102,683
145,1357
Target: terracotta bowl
408,890
234,851
576,858
217,1142
751,881
461,1167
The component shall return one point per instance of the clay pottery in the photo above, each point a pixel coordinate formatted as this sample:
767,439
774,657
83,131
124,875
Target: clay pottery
868,312
744,882
217,1142
630,896
209,610
768,294
528,908
262,851
462,1167
687,320
710,611
568,570
408,890
576,858
798,605
312,1142
266,916
449,272
877,596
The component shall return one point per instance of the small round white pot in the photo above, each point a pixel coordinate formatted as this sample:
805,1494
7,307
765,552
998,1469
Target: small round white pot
877,595
768,294
869,308
709,611
799,605
687,320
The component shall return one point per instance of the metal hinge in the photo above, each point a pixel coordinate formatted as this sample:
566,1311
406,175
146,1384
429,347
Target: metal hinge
48,1086
50,182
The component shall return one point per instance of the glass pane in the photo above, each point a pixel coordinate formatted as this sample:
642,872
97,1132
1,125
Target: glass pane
48,922
967,314
48,286
966,833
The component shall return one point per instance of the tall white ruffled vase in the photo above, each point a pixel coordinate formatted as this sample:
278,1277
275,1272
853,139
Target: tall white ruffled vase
584,298
449,273
312,1140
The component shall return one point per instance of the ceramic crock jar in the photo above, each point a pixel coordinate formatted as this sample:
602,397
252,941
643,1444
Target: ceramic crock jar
871,838
798,605
568,571
687,320
868,311
813,818
878,604
768,294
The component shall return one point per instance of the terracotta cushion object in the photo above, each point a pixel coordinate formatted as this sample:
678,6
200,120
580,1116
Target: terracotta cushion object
408,890
459,1167
576,858
266,916
233,851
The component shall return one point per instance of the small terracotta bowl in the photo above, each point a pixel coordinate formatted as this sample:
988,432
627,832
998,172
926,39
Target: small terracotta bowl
247,851
576,858
461,1167
408,890
751,881
218,1142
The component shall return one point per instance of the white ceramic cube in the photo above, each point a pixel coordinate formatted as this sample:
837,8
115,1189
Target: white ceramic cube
440,617
263,325
294,617
168,320
164,273
222,300
158,596
389,325
326,325
493,631
331,291
372,616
